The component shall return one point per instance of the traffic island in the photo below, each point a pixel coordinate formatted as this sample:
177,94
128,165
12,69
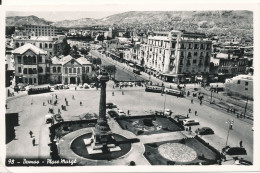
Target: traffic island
149,124
79,147
187,151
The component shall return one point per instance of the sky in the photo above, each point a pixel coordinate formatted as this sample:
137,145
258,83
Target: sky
62,15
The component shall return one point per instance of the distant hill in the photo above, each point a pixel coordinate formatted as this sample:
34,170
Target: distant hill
25,20
202,21
76,23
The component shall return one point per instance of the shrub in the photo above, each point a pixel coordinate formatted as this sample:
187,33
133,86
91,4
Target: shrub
148,122
139,132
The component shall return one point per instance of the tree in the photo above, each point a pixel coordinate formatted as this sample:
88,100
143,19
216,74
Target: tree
9,30
65,47
100,38
111,69
98,61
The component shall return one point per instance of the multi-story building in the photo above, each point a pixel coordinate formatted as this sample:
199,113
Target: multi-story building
43,42
229,62
41,30
30,64
176,56
32,67
241,86
68,70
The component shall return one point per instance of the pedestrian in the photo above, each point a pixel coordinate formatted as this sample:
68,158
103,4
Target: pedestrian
200,102
59,111
122,92
65,100
195,113
231,126
113,93
128,112
56,96
43,104
188,93
5,106
191,101
190,128
80,103
62,107
31,133
241,144
189,110
33,141
187,115
67,103
49,110
73,97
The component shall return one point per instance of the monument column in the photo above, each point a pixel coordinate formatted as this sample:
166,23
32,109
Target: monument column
102,130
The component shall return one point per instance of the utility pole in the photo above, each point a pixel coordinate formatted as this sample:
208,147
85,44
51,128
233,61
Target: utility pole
245,107
229,127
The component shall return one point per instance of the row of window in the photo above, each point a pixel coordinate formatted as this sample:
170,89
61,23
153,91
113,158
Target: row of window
54,69
46,45
76,70
30,80
28,60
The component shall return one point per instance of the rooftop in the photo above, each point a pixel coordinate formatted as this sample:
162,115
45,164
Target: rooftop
28,46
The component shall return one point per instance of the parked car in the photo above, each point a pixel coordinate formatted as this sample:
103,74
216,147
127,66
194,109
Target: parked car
48,118
16,88
86,86
113,113
189,122
58,118
236,151
204,131
110,105
125,84
121,84
130,84
167,112
180,118
121,113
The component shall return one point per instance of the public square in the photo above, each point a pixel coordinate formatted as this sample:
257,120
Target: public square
136,100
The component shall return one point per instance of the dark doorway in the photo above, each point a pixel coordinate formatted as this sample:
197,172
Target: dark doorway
72,80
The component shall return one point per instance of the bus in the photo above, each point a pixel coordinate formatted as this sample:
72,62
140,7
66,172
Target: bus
174,92
39,89
151,88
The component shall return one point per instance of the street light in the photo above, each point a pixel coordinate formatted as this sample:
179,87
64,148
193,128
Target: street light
164,99
229,127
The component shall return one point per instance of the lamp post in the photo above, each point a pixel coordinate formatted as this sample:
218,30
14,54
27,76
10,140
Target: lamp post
230,123
211,90
164,100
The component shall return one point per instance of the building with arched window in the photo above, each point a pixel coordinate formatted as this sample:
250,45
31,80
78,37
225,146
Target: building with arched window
30,64
43,42
32,67
68,70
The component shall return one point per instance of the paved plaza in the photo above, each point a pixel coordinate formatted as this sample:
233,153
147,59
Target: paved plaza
137,101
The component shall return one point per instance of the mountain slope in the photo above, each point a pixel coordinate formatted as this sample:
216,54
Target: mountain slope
25,20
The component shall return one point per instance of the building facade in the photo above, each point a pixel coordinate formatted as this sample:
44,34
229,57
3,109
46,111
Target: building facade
176,56
68,70
30,64
33,67
41,30
241,86
46,43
